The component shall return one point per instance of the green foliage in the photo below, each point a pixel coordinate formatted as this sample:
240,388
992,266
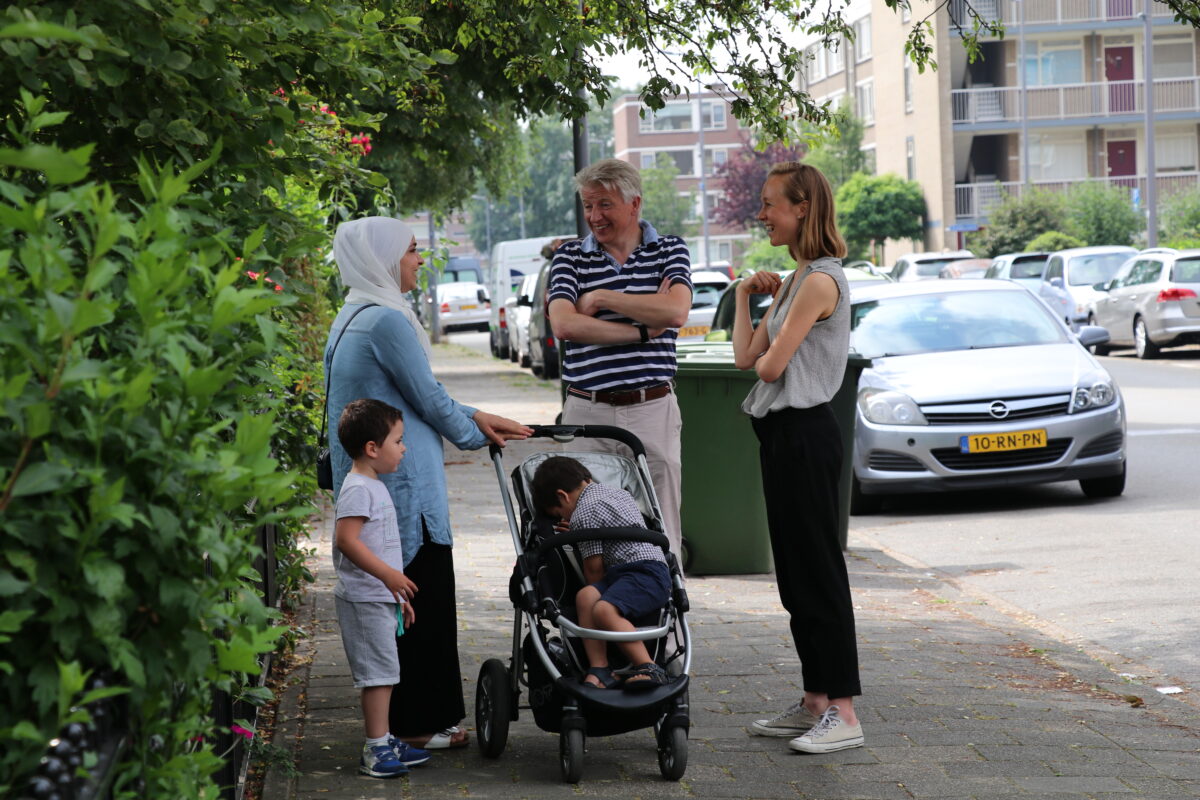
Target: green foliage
838,152
1100,214
138,407
1049,241
872,209
762,255
1179,217
662,205
1017,220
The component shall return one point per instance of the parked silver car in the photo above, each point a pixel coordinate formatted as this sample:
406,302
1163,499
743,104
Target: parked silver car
975,384
1067,284
707,286
462,305
517,311
1152,302
1023,268
925,266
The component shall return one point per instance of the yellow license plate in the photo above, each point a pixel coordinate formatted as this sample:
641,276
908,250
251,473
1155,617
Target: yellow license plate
693,330
1000,442
468,308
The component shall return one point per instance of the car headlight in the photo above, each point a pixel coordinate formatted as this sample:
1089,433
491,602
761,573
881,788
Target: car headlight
885,407
1089,395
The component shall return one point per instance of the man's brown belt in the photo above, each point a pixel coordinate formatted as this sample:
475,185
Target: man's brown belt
626,398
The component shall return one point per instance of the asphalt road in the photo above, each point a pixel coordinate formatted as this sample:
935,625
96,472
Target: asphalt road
1116,577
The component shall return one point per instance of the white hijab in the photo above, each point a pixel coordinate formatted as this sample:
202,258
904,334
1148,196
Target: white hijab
368,253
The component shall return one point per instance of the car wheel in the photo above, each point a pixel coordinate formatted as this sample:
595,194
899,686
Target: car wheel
863,504
550,369
1141,340
512,353
1097,349
1109,486
537,371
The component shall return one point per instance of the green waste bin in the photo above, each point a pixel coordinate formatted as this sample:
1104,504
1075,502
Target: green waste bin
723,516
844,405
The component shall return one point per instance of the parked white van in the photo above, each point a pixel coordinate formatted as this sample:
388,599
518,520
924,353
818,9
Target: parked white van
510,262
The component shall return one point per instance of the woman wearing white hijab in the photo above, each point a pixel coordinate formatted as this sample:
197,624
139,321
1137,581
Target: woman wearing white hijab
384,355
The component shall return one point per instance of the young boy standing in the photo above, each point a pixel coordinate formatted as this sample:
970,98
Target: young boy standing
625,578
372,590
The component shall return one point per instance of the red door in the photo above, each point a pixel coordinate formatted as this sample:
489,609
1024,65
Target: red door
1122,160
1118,68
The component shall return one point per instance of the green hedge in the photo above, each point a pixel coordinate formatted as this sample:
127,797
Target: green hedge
140,398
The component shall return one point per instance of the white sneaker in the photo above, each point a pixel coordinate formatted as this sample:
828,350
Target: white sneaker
793,721
829,735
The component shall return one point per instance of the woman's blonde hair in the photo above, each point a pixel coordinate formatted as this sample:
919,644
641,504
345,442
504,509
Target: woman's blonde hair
818,230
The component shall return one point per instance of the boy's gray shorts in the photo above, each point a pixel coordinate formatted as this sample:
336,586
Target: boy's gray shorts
369,638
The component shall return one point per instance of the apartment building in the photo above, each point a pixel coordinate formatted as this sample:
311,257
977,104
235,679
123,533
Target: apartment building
972,133
695,131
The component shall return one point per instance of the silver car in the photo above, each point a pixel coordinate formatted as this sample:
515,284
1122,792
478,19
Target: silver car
1152,302
1071,275
976,384
462,305
1023,268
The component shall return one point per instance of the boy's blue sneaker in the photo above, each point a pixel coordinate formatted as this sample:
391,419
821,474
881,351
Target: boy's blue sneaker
409,756
381,761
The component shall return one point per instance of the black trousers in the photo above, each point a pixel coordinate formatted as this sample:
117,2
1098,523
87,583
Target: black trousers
800,451
429,697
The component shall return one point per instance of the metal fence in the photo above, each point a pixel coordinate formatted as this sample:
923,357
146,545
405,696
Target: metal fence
976,200
1003,104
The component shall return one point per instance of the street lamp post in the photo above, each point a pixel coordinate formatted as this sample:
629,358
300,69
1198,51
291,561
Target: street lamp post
1148,92
703,185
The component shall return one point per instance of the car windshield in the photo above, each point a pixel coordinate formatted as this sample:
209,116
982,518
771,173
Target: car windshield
1100,268
706,294
926,323
1029,267
931,268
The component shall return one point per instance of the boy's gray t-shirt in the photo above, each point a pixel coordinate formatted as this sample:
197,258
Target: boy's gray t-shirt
367,497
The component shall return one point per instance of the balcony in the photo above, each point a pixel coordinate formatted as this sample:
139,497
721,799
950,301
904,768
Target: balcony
1059,12
975,201
1001,106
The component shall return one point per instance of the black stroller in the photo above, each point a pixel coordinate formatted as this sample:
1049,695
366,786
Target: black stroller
547,651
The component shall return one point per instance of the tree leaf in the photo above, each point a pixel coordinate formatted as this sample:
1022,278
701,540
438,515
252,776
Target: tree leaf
41,477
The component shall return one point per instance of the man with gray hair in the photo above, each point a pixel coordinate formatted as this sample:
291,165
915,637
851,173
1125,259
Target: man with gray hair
615,298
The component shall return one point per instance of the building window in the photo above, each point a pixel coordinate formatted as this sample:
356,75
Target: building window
714,159
1175,152
648,160
1173,56
1057,157
908,86
910,158
864,101
1054,63
837,58
714,115
671,117
869,160
815,57
862,39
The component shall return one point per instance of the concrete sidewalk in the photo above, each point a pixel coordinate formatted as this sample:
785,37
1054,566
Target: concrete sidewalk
960,700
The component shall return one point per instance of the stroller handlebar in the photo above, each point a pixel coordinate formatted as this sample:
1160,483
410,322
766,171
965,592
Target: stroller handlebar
601,534
566,433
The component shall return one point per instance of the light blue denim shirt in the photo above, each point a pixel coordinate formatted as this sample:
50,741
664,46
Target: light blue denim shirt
381,357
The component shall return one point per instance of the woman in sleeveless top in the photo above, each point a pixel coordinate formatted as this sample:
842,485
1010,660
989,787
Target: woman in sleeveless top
799,353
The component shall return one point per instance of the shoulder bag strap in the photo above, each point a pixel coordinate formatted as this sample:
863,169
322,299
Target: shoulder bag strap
336,342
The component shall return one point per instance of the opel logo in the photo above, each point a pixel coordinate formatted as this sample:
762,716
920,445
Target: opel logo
998,409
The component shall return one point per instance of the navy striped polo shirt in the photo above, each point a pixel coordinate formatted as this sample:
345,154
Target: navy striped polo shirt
580,266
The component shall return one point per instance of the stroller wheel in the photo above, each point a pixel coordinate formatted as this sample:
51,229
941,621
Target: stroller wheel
493,707
570,754
672,752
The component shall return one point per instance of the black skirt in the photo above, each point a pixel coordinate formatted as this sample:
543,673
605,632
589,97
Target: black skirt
429,697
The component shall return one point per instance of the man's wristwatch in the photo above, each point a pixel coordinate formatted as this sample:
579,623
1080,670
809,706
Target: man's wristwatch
642,330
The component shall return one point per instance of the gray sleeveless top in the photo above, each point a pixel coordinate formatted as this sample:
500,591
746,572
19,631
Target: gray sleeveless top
814,373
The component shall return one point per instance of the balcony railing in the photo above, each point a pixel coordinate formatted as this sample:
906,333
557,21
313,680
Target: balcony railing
976,200
1057,12
1002,104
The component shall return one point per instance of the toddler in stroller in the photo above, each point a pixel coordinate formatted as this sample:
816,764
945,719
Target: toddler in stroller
626,579
550,635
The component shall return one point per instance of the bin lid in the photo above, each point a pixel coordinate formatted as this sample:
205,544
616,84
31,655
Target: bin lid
699,358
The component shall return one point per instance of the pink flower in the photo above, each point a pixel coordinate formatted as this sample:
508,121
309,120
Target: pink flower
240,731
